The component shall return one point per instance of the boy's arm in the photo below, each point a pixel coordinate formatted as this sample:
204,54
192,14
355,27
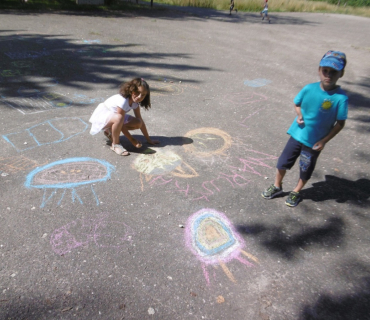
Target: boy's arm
318,146
299,114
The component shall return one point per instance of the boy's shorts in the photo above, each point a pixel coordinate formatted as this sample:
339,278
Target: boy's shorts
307,161
265,11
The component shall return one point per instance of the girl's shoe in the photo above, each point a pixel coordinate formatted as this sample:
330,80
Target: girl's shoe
121,151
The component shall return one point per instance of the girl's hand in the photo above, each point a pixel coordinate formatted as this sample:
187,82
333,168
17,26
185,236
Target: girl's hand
300,120
136,143
153,142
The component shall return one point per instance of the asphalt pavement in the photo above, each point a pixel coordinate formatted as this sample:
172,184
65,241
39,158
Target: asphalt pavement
178,230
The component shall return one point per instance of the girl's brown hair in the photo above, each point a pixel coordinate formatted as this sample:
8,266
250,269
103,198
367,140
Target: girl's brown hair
126,89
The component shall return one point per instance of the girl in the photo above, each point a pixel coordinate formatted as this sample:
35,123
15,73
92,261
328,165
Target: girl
111,115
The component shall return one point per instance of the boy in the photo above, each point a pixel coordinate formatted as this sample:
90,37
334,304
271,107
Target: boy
232,6
321,109
265,12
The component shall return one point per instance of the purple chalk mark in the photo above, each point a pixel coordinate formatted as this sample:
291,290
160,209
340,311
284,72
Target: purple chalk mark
92,230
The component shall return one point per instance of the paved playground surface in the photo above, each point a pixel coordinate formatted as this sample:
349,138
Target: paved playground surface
178,231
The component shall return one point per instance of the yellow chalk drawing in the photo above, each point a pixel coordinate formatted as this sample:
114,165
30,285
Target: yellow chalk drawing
161,163
10,73
208,142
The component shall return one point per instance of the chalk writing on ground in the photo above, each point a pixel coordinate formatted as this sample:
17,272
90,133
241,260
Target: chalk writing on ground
100,231
208,142
257,82
27,54
48,132
210,236
68,174
17,163
37,102
243,98
225,171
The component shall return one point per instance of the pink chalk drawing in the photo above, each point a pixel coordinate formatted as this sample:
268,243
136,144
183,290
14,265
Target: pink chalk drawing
243,98
237,172
211,237
81,232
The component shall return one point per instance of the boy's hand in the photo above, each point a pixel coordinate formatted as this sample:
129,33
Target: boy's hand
318,146
300,120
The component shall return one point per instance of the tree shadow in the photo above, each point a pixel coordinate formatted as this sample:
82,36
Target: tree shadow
34,64
339,189
275,240
341,307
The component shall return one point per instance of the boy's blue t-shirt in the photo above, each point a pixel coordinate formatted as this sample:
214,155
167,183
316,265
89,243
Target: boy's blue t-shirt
320,110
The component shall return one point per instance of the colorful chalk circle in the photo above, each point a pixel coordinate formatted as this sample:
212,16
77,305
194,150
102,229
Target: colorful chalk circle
212,239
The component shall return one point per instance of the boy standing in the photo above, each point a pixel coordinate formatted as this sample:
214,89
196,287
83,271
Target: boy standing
321,109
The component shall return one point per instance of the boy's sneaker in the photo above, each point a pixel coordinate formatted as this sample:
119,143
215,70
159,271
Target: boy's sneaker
293,199
271,192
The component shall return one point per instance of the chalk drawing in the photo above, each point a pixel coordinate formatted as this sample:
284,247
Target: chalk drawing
256,83
48,132
10,73
17,163
210,236
91,41
236,172
83,99
23,64
27,54
243,98
102,232
161,163
37,102
69,174
208,142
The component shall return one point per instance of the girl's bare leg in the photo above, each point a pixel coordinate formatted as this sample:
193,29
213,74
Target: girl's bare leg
132,124
115,124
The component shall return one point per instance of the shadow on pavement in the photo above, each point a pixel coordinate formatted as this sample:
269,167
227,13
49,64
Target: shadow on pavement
343,307
33,64
275,240
339,189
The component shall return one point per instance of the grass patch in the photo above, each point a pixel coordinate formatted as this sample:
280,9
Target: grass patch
281,5
357,7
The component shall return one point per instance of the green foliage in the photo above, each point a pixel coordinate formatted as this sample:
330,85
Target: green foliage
352,3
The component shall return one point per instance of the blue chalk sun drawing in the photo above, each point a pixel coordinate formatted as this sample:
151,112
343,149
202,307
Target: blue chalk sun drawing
68,174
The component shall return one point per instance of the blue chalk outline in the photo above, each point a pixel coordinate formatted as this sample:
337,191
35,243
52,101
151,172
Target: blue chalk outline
214,251
46,143
28,184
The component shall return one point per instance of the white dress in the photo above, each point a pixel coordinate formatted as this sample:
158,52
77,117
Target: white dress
104,111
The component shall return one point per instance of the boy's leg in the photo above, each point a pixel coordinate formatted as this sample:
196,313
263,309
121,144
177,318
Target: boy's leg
307,163
286,161
280,173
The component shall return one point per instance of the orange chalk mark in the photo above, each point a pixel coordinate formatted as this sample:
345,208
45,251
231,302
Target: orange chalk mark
227,271
248,255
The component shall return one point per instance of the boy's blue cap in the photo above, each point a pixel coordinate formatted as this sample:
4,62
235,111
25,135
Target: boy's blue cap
334,59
